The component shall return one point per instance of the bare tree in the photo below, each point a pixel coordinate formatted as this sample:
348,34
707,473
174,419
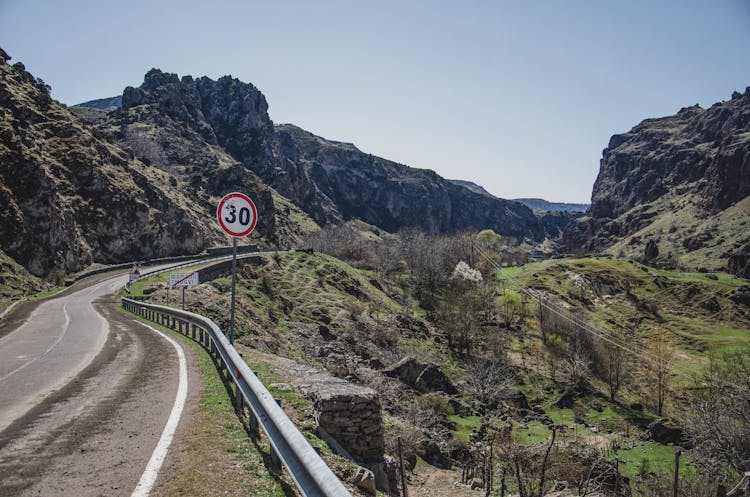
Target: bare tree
657,368
719,418
524,463
612,363
488,380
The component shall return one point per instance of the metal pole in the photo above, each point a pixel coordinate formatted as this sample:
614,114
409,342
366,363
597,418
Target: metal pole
183,298
234,280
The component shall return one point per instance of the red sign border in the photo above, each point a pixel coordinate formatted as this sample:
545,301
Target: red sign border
221,221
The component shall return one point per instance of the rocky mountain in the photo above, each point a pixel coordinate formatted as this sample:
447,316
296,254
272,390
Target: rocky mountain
539,204
471,186
392,196
674,190
71,196
168,120
105,104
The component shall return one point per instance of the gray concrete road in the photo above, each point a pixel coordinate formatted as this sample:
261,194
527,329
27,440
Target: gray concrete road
85,392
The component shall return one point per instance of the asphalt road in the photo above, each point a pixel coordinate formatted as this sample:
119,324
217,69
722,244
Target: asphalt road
85,392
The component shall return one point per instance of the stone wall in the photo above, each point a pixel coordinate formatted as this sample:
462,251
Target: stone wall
347,413
351,415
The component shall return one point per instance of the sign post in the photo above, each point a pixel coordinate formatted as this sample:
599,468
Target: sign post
183,280
237,216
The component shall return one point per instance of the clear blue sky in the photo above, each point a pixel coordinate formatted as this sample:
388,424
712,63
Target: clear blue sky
520,97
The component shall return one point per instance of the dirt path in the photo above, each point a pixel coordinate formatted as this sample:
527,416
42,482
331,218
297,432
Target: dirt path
429,481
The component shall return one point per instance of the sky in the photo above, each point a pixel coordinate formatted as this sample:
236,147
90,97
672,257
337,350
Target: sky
520,97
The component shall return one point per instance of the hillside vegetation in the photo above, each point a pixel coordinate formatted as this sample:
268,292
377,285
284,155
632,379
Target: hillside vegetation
513,375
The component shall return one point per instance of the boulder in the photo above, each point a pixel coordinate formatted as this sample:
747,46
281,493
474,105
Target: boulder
666,431
421,376
566,400
430,451
365,480
518,399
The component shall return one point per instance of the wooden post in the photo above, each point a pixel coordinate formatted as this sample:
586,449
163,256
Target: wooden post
404,489
675,488
488,484
502,483
617,476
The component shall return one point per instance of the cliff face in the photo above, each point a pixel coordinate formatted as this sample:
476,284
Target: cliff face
392,196
330,181
679,183
70,197
187,127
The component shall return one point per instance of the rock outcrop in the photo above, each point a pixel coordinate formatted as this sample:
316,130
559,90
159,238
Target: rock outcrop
71,197
680,183
421,376
392,196
330,181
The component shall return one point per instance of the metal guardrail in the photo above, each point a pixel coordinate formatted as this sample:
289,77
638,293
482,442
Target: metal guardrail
252,401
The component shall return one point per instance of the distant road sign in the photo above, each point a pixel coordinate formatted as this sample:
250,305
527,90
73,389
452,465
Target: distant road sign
183,279
237,214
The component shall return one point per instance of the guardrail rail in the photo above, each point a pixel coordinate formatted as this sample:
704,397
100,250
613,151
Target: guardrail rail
252,401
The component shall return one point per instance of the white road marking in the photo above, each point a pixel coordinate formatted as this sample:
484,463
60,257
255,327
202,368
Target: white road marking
148,479
65,330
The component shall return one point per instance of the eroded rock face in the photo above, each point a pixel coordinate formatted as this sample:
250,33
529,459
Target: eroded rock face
70,197
673,179
392,196
331,181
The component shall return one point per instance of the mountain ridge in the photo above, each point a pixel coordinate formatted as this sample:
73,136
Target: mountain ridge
674,190
329,180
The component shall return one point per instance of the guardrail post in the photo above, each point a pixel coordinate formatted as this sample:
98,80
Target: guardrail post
275,461
192,331
254,426
238,399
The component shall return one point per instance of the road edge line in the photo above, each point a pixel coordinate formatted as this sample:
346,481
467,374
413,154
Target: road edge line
148,478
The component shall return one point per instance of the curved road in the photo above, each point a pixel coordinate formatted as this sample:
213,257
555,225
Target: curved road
85,392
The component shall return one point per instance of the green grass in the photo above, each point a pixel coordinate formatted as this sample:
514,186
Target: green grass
658,458
464,425
619,295
228,432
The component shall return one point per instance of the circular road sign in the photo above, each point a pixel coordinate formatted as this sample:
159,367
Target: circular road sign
237,214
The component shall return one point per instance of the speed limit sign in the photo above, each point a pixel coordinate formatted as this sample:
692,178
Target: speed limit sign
237,214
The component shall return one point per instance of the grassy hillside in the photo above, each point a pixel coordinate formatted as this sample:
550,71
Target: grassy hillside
15,282
702,311
685,235
353,322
